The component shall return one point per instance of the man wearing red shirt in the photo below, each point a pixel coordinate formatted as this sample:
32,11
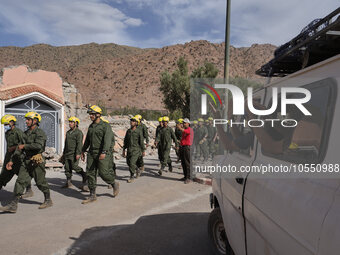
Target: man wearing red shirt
184,150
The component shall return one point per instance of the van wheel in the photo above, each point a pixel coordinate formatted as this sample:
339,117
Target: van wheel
218,238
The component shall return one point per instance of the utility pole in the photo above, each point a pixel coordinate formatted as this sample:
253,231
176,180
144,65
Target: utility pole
226,69
227,44
227,58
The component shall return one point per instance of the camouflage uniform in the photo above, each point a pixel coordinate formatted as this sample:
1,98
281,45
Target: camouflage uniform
211,135
144,130
159,127
202,142
178,134
164,137
98,141
73,147
14,137
134,143
34,145
112,164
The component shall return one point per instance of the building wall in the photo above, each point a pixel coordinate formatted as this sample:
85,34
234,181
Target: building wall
20,83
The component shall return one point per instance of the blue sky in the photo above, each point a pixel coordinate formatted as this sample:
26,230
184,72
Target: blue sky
154,23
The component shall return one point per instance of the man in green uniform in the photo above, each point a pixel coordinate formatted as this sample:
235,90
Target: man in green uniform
144,130
212,136
33,164
112,164
72,153
196,151
178,134
14,136
202,135
113,142
134,144
165,135
98,141
159,127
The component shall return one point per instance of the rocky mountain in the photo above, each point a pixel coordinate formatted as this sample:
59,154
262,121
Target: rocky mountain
120,76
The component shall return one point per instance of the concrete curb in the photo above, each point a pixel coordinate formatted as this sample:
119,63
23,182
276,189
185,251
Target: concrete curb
205,181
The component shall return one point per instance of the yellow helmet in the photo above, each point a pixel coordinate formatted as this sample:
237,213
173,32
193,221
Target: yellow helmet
33,115
160,119
104,119
74,119
195,122
166,119
210,118
200,120
94,109
207,121
7,118
293,146
139,117
135,119
180,120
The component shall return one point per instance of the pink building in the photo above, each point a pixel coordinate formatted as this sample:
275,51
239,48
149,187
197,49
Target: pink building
23,90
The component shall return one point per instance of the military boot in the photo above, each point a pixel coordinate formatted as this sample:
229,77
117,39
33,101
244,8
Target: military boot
160,172
68,184
138,172
47,202
28,193
170,168
84,186
11,207
141,169
91,198
115,187
131,179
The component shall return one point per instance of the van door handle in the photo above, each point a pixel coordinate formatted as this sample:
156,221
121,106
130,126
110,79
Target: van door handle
239,180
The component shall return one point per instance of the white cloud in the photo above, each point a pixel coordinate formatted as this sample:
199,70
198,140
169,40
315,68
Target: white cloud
133,22
61,22
260,21
276,22
67,22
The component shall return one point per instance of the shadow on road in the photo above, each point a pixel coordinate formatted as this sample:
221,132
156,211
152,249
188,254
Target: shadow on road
56,184
177,233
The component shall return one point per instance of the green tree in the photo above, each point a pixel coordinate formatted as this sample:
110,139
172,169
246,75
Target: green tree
208,70
176,88
207,74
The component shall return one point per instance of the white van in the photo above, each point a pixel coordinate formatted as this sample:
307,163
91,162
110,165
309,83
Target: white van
286,216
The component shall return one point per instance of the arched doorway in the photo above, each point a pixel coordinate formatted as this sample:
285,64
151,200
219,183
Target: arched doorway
51,111
49,115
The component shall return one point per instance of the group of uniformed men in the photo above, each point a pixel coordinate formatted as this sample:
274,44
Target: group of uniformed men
24,153
206,139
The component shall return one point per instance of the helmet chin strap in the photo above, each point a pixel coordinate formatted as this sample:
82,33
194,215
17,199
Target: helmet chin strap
97,117
33,123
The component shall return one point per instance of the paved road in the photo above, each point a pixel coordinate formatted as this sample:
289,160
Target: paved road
153,215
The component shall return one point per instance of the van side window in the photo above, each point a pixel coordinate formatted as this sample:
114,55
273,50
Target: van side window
243,135
307,142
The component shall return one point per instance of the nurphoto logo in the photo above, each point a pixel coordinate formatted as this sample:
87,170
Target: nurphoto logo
238,103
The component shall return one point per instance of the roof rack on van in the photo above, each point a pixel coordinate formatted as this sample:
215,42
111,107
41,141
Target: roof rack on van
318,41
